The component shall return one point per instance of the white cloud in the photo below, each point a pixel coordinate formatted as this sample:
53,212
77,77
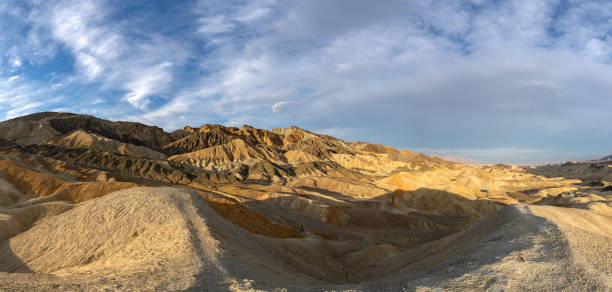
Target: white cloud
598,50
147,84
215,24
277,107
19,97
218,19
24,109
79,25
172,114
252,14
16,63
97,101
104,53
89,65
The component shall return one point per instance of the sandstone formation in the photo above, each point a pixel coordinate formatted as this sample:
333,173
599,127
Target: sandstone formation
87,203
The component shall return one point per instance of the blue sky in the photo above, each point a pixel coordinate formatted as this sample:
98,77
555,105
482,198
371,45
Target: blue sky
494,81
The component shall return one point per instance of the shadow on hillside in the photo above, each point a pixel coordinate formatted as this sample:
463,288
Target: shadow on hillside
330,193
445,213
444,245
449,248
10,262
591,174
504,235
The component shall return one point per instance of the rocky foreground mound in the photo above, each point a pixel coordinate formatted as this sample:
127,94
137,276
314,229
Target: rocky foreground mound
87,203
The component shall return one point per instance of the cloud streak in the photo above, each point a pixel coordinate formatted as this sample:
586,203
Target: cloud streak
104,52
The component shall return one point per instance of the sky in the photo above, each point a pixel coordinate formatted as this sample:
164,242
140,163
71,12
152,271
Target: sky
494,81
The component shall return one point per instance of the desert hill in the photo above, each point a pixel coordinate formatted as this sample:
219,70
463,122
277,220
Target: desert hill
82,139
87,203
607,157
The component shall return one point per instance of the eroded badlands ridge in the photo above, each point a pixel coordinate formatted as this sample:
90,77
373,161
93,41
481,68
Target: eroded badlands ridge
87,203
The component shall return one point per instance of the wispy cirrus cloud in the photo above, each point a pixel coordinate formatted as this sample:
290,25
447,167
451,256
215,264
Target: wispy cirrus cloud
104,50
20,97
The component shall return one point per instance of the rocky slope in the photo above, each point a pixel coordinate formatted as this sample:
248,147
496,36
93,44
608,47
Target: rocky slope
246,208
